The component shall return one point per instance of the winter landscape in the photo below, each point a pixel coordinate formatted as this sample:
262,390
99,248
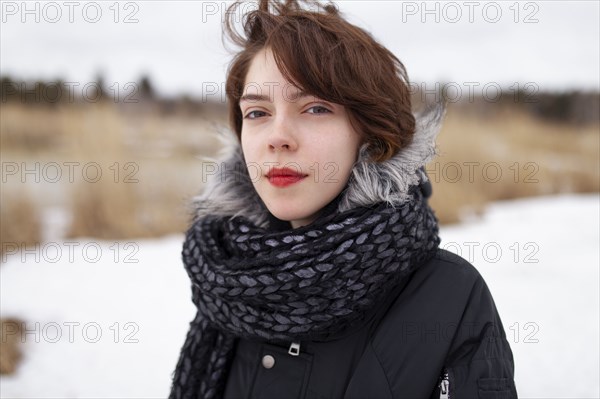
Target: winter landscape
106,126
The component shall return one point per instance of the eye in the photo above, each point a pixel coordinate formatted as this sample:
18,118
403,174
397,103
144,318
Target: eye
254,114
318,109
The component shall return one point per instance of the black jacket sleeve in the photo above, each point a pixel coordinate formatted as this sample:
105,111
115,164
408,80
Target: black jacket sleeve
480,362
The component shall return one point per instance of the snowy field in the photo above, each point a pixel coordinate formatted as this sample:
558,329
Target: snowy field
107,319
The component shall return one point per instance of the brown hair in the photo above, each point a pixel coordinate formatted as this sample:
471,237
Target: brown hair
327,57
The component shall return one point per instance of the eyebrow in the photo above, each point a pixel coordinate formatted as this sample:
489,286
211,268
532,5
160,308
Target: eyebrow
298,95
254,98
260,97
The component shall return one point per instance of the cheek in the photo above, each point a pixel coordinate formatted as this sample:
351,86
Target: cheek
343,145
247,149
337,164
349,154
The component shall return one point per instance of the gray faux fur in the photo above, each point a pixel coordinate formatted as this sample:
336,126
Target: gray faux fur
229,192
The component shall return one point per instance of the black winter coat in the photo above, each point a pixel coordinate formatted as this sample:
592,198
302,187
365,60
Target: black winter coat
438,335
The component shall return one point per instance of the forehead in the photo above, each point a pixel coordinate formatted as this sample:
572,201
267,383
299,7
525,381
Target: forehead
263,65
264,80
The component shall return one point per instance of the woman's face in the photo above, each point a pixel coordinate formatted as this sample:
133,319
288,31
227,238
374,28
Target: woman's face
282,128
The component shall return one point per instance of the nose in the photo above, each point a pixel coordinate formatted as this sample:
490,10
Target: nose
282,136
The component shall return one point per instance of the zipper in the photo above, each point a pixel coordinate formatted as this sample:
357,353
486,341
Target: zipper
294,349
445,385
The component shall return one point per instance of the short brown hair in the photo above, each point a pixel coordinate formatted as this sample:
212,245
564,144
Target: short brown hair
331,59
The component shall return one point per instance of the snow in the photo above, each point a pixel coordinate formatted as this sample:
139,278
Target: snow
539,257
96,289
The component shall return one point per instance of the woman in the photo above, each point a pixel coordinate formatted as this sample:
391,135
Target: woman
313,254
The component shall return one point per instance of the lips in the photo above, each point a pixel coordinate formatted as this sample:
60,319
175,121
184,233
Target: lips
282,177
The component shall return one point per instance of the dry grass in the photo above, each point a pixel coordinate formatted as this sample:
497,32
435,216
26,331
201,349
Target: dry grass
32,128
112,210
10,337
19,221
142,154
103,202
531,156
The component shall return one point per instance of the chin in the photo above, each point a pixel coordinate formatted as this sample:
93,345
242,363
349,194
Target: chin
288,213
288,216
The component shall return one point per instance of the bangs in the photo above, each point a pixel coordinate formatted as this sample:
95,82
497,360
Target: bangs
325,56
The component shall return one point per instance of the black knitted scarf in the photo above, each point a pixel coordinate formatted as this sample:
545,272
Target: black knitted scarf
292,285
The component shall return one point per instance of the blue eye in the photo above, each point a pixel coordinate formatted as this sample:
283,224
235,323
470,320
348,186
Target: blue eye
252,115
318,110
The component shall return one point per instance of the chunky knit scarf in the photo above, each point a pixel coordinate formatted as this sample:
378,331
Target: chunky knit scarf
309,283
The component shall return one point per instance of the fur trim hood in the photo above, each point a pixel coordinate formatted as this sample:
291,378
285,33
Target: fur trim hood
229,192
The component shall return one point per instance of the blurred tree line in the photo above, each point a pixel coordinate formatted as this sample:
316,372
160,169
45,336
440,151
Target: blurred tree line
570,106
574,106
60,91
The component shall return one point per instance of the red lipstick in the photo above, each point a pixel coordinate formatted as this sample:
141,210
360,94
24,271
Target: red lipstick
284,177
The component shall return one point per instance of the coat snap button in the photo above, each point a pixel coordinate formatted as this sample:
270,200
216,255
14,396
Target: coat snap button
268,361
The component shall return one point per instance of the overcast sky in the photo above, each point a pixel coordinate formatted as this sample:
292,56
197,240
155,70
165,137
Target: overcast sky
551,44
